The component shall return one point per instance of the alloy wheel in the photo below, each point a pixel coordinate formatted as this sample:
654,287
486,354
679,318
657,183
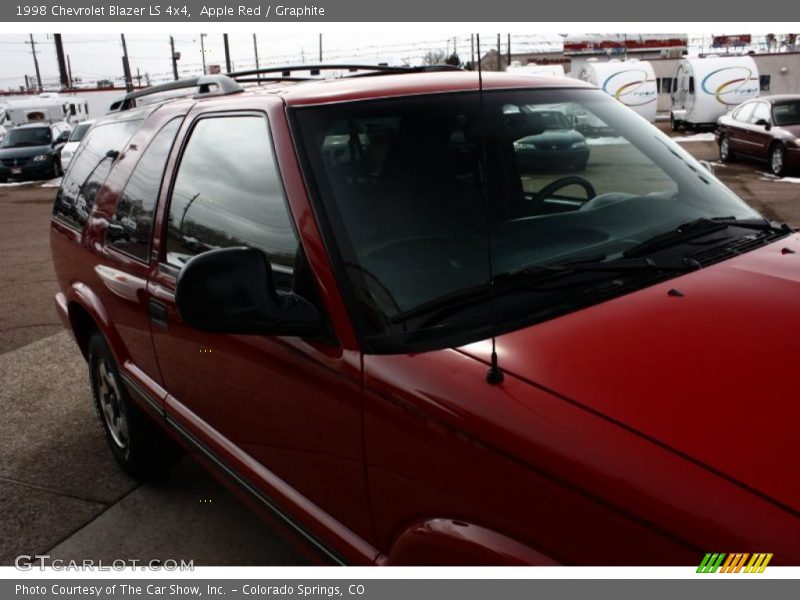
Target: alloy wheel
111,407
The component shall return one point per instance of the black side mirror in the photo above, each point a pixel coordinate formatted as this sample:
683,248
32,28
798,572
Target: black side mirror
764,123
232,290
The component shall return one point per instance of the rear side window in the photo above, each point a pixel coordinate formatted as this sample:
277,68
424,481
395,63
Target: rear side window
228,192
135,210
89,169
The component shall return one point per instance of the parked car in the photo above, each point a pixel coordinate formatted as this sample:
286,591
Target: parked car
68,149
31,151
413,353
766,129
556,145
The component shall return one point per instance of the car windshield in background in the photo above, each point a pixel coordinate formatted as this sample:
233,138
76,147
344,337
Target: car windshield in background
568,176
79,131
27,136
786,113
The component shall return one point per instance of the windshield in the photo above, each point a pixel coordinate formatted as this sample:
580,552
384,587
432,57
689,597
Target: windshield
79,131
565,175
29,136
786,113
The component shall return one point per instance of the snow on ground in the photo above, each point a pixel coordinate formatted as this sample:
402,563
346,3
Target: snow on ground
605,141
771,177
699,137
52,183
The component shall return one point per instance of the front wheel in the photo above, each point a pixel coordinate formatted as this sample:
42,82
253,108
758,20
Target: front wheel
725,152
777,160
138,444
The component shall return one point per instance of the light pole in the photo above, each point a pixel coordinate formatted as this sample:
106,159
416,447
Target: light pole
203,50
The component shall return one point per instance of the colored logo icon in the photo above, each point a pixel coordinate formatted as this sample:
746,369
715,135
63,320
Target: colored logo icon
734,563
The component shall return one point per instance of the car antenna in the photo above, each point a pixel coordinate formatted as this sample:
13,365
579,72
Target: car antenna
494,375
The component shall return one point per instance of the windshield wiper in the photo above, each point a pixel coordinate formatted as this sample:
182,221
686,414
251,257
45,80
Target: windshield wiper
529,277
695,229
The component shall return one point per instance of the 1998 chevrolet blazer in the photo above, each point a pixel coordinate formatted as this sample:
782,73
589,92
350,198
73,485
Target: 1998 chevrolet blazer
304,282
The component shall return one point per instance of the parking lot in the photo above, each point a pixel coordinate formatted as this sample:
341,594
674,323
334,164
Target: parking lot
62,494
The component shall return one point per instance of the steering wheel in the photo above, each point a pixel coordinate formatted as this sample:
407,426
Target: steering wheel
556,185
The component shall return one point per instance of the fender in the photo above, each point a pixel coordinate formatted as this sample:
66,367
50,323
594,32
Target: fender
81,294
453,542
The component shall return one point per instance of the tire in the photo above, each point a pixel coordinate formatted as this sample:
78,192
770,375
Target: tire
777,160
136,442
726,155
674,123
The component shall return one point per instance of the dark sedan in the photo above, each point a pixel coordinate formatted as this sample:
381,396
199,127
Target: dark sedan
766,129
31,151
557,148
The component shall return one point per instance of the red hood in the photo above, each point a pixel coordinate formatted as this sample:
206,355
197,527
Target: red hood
713,374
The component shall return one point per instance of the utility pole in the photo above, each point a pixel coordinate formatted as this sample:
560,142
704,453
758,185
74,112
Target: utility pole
203,50
255,49
499,55
472,49
227,53
508,50
126,66
138,77
174,58
69,70
36,63
320,48
62,64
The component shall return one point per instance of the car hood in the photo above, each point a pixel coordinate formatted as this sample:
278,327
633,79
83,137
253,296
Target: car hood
553,136
24,151
793,130
711,373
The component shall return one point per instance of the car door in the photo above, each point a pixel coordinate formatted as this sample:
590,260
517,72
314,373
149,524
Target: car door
759,130
737,128
282,415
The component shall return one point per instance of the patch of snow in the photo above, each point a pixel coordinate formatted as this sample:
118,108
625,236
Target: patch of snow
15,184
605,141
53,183
771,177
699,137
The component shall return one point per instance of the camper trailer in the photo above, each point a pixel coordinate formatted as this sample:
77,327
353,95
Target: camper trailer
535,70
46,108
632,82
707,88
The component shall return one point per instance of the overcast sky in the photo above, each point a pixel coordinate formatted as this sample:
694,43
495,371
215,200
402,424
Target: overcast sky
96,57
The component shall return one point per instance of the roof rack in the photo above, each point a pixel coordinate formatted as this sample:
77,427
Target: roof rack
286,72
207,85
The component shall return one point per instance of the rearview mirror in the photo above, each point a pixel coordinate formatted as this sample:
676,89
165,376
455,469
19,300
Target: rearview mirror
232,290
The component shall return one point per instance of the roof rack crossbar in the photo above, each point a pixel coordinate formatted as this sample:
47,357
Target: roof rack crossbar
315,69
207,85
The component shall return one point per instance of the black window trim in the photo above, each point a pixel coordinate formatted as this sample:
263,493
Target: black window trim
111,246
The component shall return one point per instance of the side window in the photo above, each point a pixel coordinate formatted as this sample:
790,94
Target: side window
691,85
228,192
88,170
761,112
743,113
135,211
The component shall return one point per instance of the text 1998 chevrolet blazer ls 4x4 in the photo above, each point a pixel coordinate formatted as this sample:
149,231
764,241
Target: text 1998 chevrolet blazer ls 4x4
303,283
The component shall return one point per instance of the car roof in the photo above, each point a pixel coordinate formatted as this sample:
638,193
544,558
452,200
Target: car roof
781,98
355,88
359,87
47,124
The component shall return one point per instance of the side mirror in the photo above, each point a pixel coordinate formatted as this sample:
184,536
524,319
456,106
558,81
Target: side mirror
764,123
232,290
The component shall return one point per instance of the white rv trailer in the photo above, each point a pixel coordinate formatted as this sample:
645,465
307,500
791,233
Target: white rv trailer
632,82
535,70
47,107
707,88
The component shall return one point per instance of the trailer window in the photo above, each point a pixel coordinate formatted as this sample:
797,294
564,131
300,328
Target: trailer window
691,85
764,82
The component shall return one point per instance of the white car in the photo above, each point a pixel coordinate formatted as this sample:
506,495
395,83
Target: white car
68,150
3,132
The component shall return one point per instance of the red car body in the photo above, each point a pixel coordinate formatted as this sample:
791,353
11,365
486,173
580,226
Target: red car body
678,438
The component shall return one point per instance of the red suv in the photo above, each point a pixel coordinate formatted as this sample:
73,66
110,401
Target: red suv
359,302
